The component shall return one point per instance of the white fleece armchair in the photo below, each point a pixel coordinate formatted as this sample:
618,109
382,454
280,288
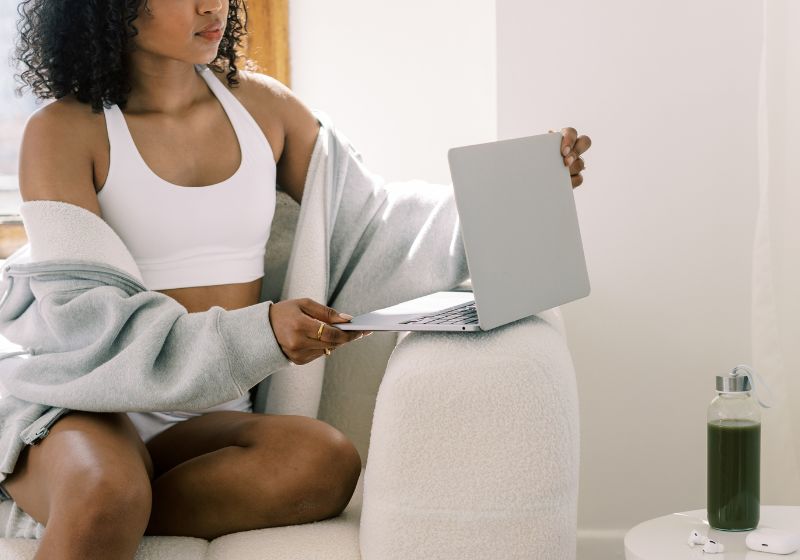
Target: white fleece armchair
470,443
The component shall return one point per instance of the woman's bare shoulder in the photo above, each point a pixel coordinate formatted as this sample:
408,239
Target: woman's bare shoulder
57,152
254,85
294,126
261,96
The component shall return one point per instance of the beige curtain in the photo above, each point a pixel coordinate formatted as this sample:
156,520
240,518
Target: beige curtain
776,257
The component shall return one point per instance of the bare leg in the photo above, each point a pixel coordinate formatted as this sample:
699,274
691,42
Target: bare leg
88,482
231,471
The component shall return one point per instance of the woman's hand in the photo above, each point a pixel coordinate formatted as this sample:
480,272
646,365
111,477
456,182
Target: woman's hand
296,324
572,146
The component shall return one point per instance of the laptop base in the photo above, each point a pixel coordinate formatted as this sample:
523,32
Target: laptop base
393,318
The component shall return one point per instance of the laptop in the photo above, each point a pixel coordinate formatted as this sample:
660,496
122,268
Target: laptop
520,231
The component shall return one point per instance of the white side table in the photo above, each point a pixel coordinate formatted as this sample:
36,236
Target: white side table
666,538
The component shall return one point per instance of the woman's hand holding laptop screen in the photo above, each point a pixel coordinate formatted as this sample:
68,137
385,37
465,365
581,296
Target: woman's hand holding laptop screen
572,146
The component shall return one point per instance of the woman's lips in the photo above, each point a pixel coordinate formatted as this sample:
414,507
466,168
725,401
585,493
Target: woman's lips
211,35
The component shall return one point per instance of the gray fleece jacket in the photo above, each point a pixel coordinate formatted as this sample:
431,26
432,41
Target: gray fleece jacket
87,334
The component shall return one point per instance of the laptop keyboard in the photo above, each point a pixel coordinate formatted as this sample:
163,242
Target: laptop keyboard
464,314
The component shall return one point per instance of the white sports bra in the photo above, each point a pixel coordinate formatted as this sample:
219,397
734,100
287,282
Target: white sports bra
192,236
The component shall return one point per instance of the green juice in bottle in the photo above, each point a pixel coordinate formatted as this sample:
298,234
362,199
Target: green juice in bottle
734,455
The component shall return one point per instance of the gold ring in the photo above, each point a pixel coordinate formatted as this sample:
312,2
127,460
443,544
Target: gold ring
327,351
319,332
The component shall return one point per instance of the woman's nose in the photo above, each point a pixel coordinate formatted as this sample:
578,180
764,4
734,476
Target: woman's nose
210,6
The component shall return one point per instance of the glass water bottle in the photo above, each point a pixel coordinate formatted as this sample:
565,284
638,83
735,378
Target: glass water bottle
734,454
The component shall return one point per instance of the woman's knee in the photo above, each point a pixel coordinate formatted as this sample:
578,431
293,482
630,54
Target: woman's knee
340,463
104,469
108,491
325,467
88,468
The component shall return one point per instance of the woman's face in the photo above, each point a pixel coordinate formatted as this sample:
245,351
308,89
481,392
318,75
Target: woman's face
169,28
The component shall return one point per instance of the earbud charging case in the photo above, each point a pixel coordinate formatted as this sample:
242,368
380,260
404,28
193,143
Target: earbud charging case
767,539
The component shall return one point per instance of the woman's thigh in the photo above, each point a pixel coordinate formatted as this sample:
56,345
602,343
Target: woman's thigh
278,434
239,471
78,442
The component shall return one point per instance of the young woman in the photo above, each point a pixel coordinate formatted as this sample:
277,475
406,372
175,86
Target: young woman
149,101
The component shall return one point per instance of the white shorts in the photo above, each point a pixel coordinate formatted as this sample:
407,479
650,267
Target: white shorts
150,424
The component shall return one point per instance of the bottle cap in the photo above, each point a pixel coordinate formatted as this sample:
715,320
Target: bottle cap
730,384
741,379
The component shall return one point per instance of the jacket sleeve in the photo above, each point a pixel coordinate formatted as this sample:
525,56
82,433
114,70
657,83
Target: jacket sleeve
102,348
391,241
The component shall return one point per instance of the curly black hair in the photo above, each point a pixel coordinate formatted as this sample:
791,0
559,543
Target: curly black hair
80,47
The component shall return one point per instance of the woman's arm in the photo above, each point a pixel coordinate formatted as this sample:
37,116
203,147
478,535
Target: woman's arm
300,134
98,347
55,160
270,100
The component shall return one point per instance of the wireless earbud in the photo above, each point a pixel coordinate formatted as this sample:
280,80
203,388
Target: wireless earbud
708,545
713,546
697,538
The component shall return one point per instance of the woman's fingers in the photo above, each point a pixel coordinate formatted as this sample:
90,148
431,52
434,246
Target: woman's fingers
577,166
569,136
321,312
331,339
328,335
582,144
317,324
572,146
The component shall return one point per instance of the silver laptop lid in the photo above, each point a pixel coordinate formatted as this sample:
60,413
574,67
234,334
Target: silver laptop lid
519,226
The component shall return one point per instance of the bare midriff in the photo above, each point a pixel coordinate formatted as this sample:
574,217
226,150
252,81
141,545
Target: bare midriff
228,296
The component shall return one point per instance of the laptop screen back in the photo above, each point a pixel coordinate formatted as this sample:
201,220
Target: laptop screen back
519,226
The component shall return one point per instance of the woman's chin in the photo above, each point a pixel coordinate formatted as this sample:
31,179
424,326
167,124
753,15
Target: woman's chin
202,57
210,57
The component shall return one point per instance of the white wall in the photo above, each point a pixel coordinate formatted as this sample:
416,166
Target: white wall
668,92
404,81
